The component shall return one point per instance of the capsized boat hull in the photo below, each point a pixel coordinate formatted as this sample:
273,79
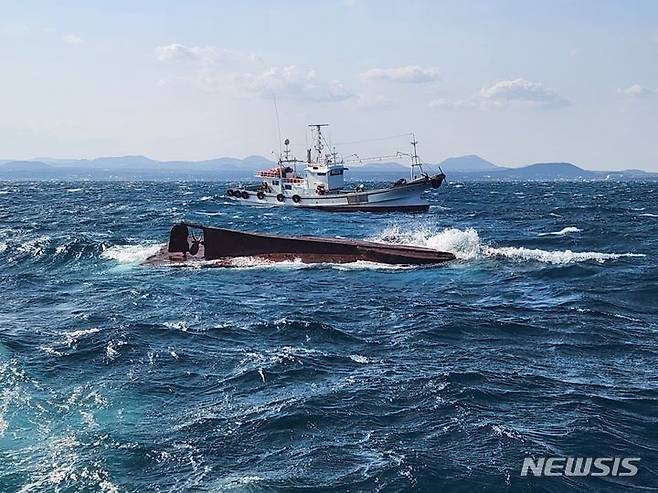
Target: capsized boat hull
224,244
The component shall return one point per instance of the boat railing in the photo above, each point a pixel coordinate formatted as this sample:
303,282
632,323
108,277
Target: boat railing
276,174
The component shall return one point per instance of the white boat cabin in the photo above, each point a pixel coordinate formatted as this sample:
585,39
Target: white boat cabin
322,174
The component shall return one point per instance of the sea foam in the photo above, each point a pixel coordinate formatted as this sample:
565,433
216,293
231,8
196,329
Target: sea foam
467,245
130,254
260,263
563,231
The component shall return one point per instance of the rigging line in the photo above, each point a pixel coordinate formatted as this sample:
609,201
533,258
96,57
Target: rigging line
278,124
374,140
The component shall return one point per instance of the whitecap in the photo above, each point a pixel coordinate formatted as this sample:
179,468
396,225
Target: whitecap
73,336
178,325
648,214
563,231
73,190
35,247
130,254
501,430
111,352
206,197
553,256
359,359
466,245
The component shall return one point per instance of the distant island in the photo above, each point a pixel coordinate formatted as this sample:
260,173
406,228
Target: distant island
464,168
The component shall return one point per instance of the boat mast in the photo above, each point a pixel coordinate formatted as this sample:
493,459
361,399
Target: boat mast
415,160
283,158
318,145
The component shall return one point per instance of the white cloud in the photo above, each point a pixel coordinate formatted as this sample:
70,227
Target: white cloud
409,74
72,39
176,52
291,81
506,93
295,83
520,91
637,91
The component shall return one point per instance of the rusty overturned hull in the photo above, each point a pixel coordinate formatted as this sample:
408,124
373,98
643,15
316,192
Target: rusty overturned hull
189,242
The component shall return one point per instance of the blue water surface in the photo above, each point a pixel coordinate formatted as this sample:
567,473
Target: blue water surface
540,340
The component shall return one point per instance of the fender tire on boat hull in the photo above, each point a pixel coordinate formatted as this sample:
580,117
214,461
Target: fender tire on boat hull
229,192
280,197
245,195
296,199
260,195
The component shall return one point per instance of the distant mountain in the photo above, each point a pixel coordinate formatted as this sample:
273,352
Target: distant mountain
543,171
141,162
467,164
125,162
469,167
35,166
133,168
21,170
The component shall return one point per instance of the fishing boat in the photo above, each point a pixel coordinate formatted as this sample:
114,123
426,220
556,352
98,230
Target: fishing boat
322,183
222,245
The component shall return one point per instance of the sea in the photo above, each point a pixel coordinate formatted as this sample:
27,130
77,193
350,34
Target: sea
540,341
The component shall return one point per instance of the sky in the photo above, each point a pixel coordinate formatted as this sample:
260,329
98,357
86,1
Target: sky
515,82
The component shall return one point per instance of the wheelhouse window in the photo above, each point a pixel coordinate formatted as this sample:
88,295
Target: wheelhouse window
335,172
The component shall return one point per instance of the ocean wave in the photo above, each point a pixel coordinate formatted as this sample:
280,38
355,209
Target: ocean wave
130,254
554,256
73,336
648,214
562,232
35,247
358,358
203,213
466,245
249,263
367,265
